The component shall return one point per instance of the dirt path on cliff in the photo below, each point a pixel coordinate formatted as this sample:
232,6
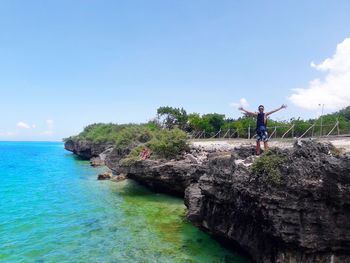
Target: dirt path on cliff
229,144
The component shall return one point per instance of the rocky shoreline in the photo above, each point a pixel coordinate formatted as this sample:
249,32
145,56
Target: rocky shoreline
301,214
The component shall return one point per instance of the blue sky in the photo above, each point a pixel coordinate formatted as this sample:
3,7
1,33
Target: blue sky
66,64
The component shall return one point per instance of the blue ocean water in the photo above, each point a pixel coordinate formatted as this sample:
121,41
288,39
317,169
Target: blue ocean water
52,209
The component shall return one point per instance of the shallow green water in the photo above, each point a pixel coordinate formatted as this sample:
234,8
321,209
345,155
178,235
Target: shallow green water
52,209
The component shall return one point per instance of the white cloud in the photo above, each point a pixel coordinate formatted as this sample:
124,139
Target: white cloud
33,126
23,125
242,103
334,90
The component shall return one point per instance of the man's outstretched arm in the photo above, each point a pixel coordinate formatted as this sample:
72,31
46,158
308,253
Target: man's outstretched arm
273,111
249,113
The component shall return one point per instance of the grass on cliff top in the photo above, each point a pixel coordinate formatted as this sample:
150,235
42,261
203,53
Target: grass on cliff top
267,166
121,134
163,143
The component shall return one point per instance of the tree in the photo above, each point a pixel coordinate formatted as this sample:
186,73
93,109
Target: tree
215,121
345,113
170,117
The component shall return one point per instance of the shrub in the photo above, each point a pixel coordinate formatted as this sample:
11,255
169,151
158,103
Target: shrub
133,135
168,143
268,165
123,136
164,144
133,156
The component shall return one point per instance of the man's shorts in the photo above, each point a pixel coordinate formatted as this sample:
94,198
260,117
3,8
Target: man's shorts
261,134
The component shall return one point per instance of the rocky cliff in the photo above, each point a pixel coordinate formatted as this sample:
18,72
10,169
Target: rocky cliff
295,211
166,176
87,149
171,177
302,217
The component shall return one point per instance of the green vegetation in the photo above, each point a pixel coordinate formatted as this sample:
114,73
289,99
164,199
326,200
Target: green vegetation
209,125
168,143
163,143
268,164
133,156
170,117
344,113
120,134
166,135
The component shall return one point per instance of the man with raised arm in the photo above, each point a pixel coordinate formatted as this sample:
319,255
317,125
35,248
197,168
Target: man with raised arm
261,120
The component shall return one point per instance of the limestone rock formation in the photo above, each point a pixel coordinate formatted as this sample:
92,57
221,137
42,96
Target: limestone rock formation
170,177
303,217
119,177
96,161
296,211
113,158
107,175
88,149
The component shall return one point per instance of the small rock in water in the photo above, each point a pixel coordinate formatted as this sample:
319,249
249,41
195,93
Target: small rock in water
119,178
105,175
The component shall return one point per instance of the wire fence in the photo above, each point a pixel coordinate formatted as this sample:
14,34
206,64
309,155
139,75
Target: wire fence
286,131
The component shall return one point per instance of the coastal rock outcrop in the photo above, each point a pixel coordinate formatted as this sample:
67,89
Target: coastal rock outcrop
105,175
113,158
97,161
119,177
166,176
87,149
304,216
171,177
295,211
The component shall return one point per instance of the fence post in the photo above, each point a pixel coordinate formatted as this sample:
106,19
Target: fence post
226,134
275,132
249,131
338,127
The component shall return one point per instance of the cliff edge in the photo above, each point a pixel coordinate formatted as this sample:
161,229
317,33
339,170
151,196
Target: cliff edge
287,205
296,211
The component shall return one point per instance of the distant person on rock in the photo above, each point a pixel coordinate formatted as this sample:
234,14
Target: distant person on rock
145,154
261,120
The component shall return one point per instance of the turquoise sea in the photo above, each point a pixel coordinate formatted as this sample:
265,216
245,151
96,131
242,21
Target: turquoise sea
52,209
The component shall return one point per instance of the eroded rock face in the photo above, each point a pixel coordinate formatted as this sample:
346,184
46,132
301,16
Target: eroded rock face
96,161
113,158
303,218
86,149
170,177
167,176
